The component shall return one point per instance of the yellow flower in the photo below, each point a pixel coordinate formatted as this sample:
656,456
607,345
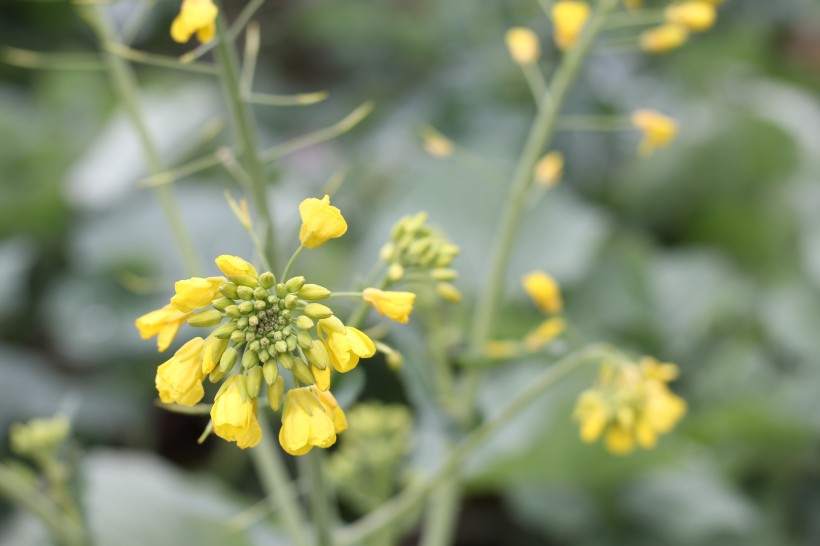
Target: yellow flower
163,323
212,352
664,38
395,305
658,130
345,344
436,144
568,19
320,222
321,377
234,413
523,45
195,16
652,369
180,378
235,267
697,16
544,291
633,4
310,418
593,412
500,348
196,293
545,333
549,169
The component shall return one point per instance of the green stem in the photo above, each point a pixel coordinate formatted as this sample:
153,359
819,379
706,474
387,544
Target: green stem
125,85
357,316
441,517
274,477
290,263
346,295
312,466
245,133
535,80
594,123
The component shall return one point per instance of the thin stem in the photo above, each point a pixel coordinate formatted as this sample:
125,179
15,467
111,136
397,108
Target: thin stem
301,99
441,516
268,462
345,295
125,85
249,61
245,134
25,58
360,312
312,467
158,60
290,263
535,80
629,19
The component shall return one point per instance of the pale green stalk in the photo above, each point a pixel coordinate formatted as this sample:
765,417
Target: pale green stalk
292,261
311,465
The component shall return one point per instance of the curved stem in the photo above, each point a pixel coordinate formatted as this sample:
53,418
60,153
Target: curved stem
290,263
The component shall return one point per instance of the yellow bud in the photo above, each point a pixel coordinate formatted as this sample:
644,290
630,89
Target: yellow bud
395,272
664,38
395,360
317,355
568,19
436,144
301,371
271,371
211,317
658,130
697,16
447,291
320,222
275,393
549,169
544,291
254,381
236,268
313,292
318,311
523,45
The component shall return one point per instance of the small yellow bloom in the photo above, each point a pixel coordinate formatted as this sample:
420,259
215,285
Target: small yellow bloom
320,222
163,323
196,293
593,413
544,291
664,38
549,169
394,305
180,378
436,144
212,352
545,333
523,45
234,413
568,19
195,16
696,16
658,130
500,348
310,418
235,267
321,377
345,344
652,369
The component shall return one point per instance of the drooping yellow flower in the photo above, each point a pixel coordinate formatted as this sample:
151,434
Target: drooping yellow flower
212,352
394,305
523,45
658,130
345,344
664,38
320,222
195,16
235,267
544,291
549,169
179,379
568,20
163,323
696,16
234,413
545,333
310,418
196,293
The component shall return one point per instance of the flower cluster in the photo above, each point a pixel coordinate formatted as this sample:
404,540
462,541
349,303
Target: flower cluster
680,19
263,327
630,404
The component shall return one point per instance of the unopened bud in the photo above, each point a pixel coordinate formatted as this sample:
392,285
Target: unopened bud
281,290
295,284
228,290
242,323
267,279
448,292
304,323
245,292
444,274
260,293
222,303
314,292
387,252
275,393
233,311
246,280
304,340
317,355
237,336
395,360
263,354
301,371
216,375
334,324
291,342
281,346
523,45
290,301
246,307
228,360
270,371
395,272
318,311
254,381
286,360
254,345
211,317
225,331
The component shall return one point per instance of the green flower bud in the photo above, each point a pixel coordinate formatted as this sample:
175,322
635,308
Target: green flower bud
444,274
222,303
280,346
395,360
395,272
216,375
254,381
250,336
237,336
275,393
253,321
225,331
267,280
254,345
271,371
260,305
317,355
448,292
260,293
233,311
247,281
318,311
291,300
291,342
229,358
249,359
304,323
273,300
242,323
287,331
302,372
246,307
314,292
211,317
304,340
281,290
245,292
294,284
263,354
286,360
334,324
228,290
264,342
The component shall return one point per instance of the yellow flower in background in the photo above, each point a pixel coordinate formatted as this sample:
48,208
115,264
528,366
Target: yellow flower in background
549,169
568,19
196,293
544,291
234,413
163,323
546,332
664,38
320,222
658,130
179,379
633,4
697,16
435,143
235,267
212,352
395,305
523,45
345,344
195,16
593,412
311,418
501,348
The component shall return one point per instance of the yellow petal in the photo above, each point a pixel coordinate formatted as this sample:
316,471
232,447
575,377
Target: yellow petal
664,38
320,222
696,16
235,267
568,19
196,293
658,130
544,291
523,45
395,305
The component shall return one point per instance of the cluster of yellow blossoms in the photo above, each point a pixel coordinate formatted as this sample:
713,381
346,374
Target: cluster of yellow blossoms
631,404
680,19
266,326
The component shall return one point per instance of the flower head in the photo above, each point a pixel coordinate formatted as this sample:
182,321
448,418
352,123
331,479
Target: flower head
658,130
310,418
549,169
234,413
568,19
394,305
345,344
235,267
179,379
163,323
696,16
196,293
664,38
523,45
544,291
320,222
195,16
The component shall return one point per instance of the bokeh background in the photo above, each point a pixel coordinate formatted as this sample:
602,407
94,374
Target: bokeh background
707,254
